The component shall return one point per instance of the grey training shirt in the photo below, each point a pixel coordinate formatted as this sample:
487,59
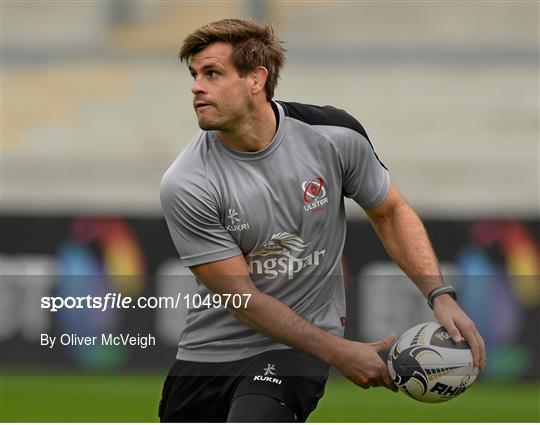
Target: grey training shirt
282,208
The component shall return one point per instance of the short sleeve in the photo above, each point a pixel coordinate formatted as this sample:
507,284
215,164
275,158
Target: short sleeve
194,223
365,178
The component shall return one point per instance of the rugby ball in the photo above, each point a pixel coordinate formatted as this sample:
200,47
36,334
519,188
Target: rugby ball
427,365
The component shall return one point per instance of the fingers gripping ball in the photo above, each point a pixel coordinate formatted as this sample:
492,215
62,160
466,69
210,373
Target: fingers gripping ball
427,365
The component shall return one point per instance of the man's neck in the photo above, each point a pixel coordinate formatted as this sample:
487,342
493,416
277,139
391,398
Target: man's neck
254,133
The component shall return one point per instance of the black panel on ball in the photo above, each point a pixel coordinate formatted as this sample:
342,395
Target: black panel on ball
441,338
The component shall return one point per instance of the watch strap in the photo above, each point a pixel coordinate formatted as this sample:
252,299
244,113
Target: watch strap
439,290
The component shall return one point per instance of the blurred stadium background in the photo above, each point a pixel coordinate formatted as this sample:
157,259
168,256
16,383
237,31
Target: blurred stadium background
95,107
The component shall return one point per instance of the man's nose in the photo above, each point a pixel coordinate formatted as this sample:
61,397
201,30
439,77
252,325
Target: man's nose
197,87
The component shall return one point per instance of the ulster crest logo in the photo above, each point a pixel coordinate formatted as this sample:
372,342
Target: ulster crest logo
314,194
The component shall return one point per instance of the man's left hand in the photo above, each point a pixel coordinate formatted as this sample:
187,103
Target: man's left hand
450,315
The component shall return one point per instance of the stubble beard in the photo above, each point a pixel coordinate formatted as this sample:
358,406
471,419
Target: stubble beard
220,123
208,124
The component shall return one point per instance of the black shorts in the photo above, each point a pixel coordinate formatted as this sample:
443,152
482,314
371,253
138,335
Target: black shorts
204,392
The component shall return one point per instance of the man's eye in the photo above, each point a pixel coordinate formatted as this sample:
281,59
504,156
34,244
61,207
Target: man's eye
212,74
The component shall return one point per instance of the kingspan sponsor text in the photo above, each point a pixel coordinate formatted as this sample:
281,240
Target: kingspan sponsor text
272,267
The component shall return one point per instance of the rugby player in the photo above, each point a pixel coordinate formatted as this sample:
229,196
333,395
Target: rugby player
254,205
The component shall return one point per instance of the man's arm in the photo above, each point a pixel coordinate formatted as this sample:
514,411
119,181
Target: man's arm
357,361
406,241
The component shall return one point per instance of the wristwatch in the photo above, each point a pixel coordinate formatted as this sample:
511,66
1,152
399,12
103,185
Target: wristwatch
439,290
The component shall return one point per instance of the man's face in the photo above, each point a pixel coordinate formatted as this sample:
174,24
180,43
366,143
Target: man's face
221,96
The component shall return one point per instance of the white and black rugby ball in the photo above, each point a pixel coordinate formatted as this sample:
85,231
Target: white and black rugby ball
427,365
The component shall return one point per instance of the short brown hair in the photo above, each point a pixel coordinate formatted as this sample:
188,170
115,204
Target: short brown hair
253,45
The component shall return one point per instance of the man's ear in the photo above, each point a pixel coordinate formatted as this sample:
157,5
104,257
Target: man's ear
258,76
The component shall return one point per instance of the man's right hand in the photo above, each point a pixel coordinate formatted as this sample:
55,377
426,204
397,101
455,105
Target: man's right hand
361,363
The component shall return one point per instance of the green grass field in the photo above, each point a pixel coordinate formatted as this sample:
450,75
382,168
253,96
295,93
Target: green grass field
134,399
